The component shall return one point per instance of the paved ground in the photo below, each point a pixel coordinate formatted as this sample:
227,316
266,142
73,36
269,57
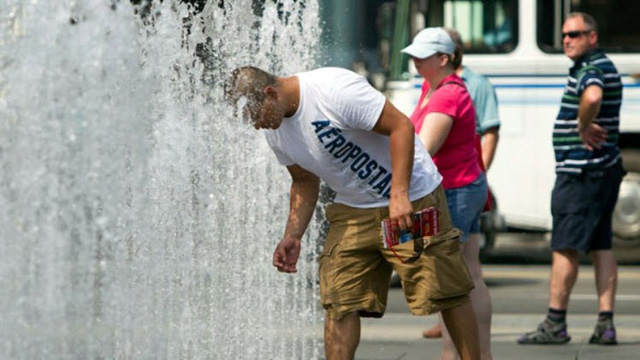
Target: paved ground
397,337
519,299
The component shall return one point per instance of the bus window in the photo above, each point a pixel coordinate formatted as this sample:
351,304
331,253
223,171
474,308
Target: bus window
618,26
488,26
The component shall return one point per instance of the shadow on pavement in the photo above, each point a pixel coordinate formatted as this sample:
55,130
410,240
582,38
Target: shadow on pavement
499,282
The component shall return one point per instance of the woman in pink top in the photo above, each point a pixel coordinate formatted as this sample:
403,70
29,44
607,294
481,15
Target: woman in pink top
444,120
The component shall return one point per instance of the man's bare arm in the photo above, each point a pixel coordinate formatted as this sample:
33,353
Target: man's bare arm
591,133
397,126
302,203
489,145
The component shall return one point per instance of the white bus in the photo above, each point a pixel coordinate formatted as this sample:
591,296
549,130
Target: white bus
517,45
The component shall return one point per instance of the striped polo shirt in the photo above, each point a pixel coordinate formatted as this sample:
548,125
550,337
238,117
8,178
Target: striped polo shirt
594,68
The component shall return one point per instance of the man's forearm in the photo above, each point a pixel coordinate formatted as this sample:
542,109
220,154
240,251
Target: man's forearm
587,114
489,145
302,203
402,153
394,124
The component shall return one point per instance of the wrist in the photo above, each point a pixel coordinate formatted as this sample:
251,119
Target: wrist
399,192
583,125
295,237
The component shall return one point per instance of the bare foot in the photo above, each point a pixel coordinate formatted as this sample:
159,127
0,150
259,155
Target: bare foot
433,333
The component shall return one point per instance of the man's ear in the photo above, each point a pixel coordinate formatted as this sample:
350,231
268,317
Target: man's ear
270,91
593,38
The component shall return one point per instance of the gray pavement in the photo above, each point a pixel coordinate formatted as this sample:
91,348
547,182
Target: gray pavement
519,295
398,337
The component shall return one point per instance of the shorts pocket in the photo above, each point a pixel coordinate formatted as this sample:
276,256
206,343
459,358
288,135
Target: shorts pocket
567,196
326,270
443,236
448,276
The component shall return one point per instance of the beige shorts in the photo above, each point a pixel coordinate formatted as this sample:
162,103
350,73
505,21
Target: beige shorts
355,268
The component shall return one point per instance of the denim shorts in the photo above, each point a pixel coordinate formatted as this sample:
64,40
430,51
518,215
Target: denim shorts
466,204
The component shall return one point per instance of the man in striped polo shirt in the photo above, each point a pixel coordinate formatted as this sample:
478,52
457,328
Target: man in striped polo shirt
589,172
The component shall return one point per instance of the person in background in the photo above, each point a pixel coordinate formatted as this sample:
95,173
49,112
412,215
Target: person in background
485,102
445,121
330,124
588,176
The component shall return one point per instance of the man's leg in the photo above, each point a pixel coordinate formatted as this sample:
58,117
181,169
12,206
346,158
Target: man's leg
564,272
449,351
606,274
480,300
341,337
461,324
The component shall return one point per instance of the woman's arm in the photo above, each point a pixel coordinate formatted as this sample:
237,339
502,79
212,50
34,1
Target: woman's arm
435,130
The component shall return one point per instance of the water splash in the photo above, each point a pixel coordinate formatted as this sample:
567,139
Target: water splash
137,217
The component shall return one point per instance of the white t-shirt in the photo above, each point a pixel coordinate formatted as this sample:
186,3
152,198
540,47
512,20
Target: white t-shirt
331,136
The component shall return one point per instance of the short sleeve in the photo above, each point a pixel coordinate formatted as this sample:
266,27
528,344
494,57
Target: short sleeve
589,75
444,100
358,104
486,103
280,156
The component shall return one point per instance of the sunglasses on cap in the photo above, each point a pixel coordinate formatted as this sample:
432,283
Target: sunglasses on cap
575,34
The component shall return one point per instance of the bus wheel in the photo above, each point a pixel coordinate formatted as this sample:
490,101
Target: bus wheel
626,215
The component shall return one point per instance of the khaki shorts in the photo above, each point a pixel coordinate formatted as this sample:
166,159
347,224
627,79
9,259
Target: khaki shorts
355,268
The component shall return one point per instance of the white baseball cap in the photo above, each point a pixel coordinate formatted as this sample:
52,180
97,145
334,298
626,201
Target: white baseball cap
430,41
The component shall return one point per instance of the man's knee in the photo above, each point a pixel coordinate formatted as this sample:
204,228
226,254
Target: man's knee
602,255
566,255
339,329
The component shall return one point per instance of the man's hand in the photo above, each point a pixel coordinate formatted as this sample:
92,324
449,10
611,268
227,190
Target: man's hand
592,136
286,255
400,210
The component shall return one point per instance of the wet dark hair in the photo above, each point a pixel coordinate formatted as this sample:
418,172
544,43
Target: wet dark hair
249,81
